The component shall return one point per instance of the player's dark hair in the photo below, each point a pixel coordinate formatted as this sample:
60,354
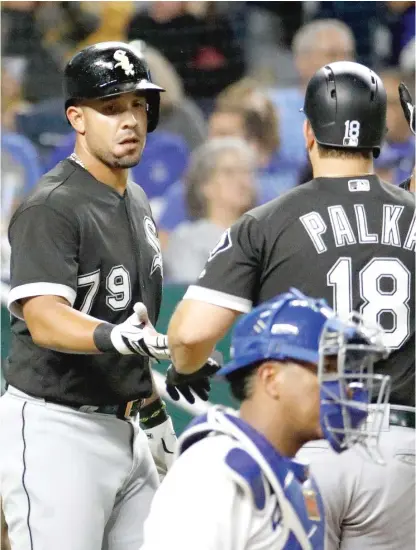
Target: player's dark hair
343,154
241,381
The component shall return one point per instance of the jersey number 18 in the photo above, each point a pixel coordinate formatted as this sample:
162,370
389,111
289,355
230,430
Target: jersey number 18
374,299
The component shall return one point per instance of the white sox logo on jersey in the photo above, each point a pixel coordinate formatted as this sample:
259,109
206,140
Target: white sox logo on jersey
123,62
152,239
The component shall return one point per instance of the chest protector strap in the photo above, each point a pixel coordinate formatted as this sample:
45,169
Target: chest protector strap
248,468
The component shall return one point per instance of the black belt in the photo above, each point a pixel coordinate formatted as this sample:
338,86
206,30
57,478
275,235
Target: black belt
403,418
126,410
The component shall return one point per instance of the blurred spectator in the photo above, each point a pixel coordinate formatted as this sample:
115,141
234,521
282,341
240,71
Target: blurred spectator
277,172
11,95
257,126
178,113
20,171
386,164
314,45
257,113
321,42
220,188
269,33
203,49
259,130
400,142
401,24
364,19
112,19
40,34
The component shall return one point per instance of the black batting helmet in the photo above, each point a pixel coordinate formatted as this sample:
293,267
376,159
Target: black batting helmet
346,104
108,69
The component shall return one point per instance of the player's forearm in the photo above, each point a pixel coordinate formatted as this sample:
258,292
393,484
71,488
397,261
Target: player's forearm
188,352
188,359
56,325
194,330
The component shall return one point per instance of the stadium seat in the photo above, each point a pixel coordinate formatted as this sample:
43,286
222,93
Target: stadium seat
25,154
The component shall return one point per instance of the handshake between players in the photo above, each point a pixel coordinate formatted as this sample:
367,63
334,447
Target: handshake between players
137,335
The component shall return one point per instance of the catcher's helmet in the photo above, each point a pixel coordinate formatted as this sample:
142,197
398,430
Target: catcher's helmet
295,327
346,104
107,69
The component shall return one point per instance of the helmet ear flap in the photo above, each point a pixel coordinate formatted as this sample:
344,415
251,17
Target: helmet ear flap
153,102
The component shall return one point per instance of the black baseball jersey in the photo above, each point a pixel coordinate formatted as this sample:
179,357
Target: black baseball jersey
78,238
350,241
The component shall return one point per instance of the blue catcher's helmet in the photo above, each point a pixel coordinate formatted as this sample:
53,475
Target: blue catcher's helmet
295,327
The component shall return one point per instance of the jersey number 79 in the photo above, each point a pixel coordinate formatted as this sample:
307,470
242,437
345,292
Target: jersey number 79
376,299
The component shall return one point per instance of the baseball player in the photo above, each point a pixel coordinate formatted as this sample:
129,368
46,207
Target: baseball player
300,374
346,236
86,278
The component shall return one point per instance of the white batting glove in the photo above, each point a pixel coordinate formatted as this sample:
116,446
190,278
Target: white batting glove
158,427
136,335
162,443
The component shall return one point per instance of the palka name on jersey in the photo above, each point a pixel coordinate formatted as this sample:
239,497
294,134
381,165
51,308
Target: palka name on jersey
344,234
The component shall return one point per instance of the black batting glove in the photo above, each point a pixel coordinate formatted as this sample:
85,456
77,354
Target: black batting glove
408,106
198,382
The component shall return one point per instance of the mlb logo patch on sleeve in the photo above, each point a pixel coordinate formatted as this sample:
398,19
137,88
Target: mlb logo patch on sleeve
358,185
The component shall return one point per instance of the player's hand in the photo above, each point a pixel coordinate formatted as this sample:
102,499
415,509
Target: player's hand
198,381
408,106
138,335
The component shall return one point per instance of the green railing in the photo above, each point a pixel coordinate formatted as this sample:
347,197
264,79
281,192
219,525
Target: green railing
171,296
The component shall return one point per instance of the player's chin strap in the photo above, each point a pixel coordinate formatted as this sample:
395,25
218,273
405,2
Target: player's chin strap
216,422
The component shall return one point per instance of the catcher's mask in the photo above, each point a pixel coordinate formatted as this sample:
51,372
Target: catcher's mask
353,398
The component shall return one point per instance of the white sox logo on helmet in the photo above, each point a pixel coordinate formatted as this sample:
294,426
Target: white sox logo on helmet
123,62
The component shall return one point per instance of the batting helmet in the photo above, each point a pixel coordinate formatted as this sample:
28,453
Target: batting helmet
346,104
108,69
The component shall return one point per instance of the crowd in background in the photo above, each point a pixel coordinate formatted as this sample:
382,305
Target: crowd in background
230,132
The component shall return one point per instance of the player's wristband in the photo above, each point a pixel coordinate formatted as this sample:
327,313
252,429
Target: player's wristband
102,337
153,414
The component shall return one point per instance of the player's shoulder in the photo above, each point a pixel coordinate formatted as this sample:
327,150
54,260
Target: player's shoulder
398,194
227,463
287,205
217,447
55,190
208,455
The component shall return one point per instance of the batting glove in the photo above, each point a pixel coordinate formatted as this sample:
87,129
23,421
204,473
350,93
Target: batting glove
198,382
136,335
408,106
161,437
